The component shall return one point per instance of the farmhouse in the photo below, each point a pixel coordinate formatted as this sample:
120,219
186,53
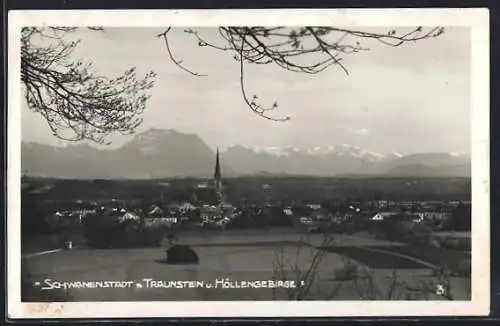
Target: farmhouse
67,218
383,216
160,221
306,220
314,206
155,211
128,217
210,213
202,185
186,207
434,216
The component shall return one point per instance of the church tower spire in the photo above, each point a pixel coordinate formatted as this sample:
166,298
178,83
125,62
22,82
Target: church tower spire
218,179
217,174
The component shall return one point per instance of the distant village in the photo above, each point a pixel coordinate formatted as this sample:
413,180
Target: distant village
225,215
208,208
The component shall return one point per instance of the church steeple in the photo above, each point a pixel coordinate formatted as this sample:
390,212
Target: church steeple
217,174
218,179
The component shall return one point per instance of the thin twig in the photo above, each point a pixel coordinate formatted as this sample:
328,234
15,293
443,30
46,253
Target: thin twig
170,54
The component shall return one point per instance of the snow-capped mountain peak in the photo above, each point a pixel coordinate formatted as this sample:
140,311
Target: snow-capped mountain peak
344,150
396,154
179,155
458,154
272,150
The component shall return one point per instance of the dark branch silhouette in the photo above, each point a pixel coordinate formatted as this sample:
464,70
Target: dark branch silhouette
171,55
68,93
308,50
73,98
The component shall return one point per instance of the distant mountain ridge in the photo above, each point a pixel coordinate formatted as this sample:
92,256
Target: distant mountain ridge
343,160
151,154
158,153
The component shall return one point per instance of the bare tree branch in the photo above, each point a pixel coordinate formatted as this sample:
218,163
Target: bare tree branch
170,54
309,50
72,98
68,93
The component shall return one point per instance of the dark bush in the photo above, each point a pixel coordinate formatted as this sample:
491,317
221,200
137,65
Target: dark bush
357,224
139,236
32,215
406,231
103,232
389,229
181,255
401,230
460,219
418,234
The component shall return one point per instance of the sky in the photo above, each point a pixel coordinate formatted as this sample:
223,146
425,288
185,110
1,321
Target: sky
409,99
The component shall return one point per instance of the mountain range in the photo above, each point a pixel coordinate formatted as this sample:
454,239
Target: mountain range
160,153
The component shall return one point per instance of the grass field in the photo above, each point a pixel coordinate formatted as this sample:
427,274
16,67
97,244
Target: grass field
242,256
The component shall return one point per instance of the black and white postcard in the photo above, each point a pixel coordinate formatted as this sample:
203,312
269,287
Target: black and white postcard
248,163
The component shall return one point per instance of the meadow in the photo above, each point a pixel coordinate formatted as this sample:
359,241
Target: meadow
339,272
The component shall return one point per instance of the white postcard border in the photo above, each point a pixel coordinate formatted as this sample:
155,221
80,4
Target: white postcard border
477,19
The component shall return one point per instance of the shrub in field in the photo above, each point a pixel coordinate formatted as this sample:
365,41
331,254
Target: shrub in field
405,231
460,219
357,224
104,232
418,234
130,236
32,221
178,254
96,229
150,236
390,230
101,236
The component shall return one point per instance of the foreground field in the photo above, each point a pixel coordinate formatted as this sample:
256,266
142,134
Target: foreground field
246,257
